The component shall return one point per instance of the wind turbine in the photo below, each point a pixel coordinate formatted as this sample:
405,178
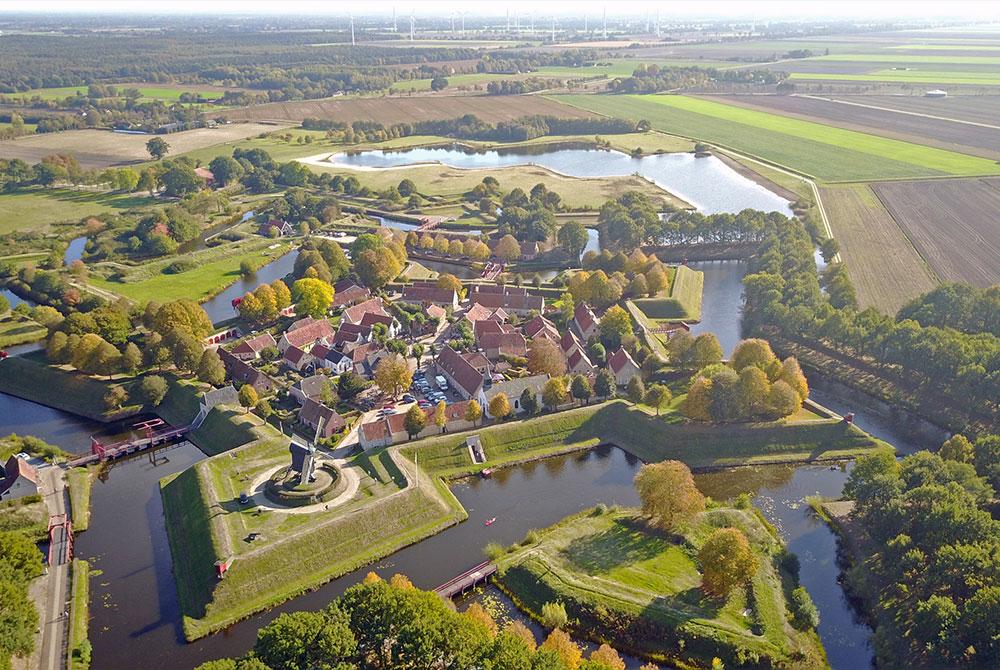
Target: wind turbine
605,22
395,27
353,43
411,25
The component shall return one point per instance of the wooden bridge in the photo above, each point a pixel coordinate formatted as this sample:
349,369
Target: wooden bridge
466,580
156,431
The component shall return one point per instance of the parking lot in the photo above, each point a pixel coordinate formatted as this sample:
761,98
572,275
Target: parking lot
427,390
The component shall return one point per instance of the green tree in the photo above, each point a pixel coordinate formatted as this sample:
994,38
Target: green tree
180,180
152,390
115,397
210,368
157,148
439,84
727,561
186,351
507,249
657,395
957,448
614,325
529,402
668,494
131,359
225,170
377,267
248,396
580,388
183,315
414,421
282,296
604,384
307,641
554,615
635,390
441,415
18,618
350,384
754,352
572,238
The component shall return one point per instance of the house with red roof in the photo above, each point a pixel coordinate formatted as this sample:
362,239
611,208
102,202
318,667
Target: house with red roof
19,479
498,344
622,366
347,293
423,294
585,322
244,373
318,331
356,313
249,349
385,431
539,326
314,414
465,374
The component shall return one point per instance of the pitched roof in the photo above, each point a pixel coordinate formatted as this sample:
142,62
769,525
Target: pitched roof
485,327
513,388
310,333
462,372
371,318
242,371
226,395
18,467
298,323
507,289
357,312
313,411
312,386
477,313
436,312
294,355
256,344
351,332
619,360
511,301
375,430
577,357
511,344
569,341
539,324
421,294
584,317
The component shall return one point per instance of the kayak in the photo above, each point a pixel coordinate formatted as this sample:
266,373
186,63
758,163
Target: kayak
490,522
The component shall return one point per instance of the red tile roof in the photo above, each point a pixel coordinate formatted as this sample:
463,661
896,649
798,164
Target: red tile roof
357,312
308,334
462,372
584,317
619,360
254,345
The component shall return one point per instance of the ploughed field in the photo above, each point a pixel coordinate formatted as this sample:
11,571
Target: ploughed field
953,224
881,261
102,148
944,134
389,111
971,108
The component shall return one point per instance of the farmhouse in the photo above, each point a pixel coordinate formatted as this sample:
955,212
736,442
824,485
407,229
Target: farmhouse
282,228
250,349
465,374
19,479
309,387
314,414
623,366
385,431
511,303
296,359
584,322
423,294
356,313
347,293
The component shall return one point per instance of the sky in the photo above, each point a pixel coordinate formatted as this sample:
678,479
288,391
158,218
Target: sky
814,9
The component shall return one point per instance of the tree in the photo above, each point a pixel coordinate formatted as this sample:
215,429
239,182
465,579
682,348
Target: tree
957,448
406,188
562,644
499,406
377,267
545,357
393,375
248,396
441,415
473,412
157,148
580,388
753,390
180,180
187,351
115,397
705,350
792,375
450,281
183,315
210,368
152,389
553,615
668,494
573,238
604,384
439,84
507,249
131,359
350,384
56,348
782,400
698,401
755,352
312,297
414,421
657,395
225,170
307,640
636,390
417,351
529,402
607,658
18,615
554,393
727,561
614,325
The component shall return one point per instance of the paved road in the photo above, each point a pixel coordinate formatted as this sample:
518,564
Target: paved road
51,612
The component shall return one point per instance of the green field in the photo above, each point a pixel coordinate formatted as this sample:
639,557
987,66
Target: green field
684,301
908,76
37,209
217,268
901,58
15,329
815,149
165,93
611,567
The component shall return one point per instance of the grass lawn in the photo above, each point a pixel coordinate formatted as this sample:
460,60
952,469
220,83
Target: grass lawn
28,515
684,302
620,578
37,209
216,269
226,428
80,481
903,58
79,615
815,149
16,329
165,93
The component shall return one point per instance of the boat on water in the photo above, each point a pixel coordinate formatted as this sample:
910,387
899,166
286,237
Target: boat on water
486,472
490,522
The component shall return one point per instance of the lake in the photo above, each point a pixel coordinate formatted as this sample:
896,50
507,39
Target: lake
706,183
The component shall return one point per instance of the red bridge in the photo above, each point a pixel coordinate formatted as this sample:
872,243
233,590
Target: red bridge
466,580
156,432
492,270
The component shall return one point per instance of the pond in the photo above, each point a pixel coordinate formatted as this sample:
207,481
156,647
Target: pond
707,183
14,299
220,307
74,251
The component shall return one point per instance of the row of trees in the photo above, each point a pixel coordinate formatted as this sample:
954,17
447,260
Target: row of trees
929,576
783,293
20,563
392,625
655,78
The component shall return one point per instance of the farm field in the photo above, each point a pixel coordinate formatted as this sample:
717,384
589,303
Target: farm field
389,111
102,148
149,92
961,137
822,151
971,108
38,209
906,77
441,180
953,224
881,261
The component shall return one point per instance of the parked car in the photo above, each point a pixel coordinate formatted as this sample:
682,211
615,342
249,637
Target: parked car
408,398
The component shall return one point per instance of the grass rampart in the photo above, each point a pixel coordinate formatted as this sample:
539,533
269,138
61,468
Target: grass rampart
78,653
79,481
684,301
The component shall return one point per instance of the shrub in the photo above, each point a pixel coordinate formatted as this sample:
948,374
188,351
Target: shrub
554,615
531,537
789,562
177,267
804,612
494,550
601,509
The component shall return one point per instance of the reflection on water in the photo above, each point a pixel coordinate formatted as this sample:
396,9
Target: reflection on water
221,308
707,183
74,251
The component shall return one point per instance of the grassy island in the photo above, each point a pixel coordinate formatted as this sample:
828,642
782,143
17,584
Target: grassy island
621,580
